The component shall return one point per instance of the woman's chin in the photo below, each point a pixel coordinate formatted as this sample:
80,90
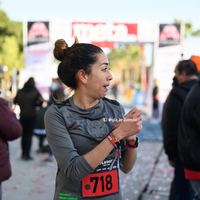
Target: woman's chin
102,96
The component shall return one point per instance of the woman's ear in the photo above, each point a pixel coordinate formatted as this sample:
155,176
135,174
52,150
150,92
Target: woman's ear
82,76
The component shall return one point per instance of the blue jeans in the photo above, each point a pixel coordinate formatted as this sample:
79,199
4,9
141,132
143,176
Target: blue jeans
183,188
196,187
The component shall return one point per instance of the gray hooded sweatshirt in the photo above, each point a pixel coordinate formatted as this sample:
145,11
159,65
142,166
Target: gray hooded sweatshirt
71,133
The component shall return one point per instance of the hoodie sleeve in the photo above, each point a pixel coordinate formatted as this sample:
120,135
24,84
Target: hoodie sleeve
10,127
74,166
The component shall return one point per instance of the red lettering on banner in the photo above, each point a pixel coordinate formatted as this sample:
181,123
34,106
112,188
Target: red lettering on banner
100,32
170,31
132,28
38,51
105,44
38,29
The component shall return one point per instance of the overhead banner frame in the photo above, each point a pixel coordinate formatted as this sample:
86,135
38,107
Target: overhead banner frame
106,35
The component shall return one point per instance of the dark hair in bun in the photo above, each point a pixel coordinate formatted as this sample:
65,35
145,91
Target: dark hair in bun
60,49
78,56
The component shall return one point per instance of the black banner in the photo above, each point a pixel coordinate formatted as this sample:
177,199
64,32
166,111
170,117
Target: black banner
169,35
38,32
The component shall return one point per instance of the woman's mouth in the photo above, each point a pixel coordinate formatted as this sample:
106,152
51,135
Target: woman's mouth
106,87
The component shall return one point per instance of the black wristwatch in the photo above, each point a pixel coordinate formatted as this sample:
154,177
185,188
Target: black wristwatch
133,146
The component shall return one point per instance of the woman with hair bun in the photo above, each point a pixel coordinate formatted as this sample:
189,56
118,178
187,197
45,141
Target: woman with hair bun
88,133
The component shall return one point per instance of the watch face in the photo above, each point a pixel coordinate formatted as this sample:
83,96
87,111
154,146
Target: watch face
136,142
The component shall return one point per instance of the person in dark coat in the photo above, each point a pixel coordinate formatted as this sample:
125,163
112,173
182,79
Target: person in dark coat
155,100
186,74
189,138
39,129
10,129
27,99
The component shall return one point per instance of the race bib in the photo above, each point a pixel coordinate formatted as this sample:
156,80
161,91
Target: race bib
100,184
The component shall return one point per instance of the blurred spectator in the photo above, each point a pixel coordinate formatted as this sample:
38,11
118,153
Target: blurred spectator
196,60
56,90
185,72
155,100
129,93
27,98
189,138
10,129
39,131
114,90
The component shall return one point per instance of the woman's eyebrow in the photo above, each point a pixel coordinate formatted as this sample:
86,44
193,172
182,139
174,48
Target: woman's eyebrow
104,64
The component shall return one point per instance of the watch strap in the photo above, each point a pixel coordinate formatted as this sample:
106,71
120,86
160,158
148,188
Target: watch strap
132,145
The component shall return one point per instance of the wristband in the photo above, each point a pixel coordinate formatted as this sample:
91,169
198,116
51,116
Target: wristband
112,141
114,137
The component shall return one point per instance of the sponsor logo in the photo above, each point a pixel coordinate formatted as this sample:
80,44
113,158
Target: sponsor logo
38,32
170,31
38,29
98,32
169,35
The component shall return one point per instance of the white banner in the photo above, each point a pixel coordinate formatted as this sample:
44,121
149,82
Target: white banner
166,60
39,65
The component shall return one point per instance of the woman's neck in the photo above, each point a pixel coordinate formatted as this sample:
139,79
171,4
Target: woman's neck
83,101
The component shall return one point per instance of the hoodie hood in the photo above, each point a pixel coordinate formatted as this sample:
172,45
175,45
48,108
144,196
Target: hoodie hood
189,84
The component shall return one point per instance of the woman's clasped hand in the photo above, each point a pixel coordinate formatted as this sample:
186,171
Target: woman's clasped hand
130,125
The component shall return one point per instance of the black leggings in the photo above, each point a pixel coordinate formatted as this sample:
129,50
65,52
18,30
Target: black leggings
28,124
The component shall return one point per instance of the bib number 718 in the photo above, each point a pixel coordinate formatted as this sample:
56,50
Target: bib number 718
99,184
108,180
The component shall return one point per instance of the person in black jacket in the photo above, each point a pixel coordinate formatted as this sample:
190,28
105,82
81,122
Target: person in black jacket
189,138
155,100
27,99
186,74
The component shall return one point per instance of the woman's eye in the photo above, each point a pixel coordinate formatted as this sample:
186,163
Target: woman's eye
105,69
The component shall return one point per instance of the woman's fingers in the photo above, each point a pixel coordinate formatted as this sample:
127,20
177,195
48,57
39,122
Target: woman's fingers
134,112
131,124
131,112
117,124
138,113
